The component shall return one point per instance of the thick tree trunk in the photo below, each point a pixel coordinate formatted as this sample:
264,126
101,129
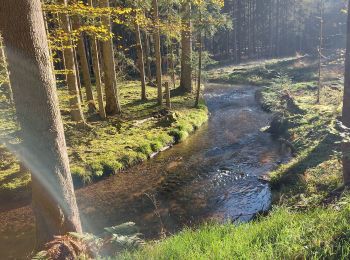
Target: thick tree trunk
32,80
157,52
140,61
110,76
186,46
72,82
346,106
81,51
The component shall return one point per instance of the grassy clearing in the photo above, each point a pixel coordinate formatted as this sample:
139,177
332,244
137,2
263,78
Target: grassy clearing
310,219
112,145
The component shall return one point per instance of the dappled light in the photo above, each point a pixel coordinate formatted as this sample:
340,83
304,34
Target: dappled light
194,129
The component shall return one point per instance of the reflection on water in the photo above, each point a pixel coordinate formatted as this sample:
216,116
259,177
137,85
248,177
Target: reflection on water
212,175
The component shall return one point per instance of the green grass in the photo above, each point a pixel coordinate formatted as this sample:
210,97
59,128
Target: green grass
318,234
310,219
315,171
107,147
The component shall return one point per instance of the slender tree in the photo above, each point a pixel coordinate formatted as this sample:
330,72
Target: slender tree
84,65
97,73
320,53
346,105
3,61
34,91
158,54
148,56
140,60
200,49
186,48
72,81
110,76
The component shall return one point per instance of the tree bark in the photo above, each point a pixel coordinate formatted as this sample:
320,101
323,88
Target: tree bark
98,81
199,80
320,55
3,64
81,51
72,82
140,61
110,76
186,46
34,90
97,72
172,64
167,95
157,52
148,57
77,73
346,105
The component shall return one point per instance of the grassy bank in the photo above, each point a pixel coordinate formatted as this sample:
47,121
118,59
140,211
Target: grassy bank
310,216
106,147
283,235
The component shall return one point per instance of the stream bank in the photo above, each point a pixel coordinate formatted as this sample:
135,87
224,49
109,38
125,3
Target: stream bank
213,175
311,209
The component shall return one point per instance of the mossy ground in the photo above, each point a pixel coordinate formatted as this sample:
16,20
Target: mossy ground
106,147
310,216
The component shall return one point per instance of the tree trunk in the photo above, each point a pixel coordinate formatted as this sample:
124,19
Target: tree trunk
110,76
81,51
186,46
34,90
148,57
97,73
320,55
3,65
346,106
167,95
140,61
72,82
157,52
98,81
239,26
172,64
199,80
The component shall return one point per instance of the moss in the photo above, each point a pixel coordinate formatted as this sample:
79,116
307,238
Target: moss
108,146
310,219
316,141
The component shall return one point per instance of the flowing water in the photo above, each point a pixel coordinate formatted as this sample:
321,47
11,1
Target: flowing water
214,174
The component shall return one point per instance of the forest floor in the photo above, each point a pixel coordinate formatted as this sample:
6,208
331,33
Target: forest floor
310,214
105,147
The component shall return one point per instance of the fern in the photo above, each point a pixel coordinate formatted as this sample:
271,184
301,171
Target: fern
111,242
128,228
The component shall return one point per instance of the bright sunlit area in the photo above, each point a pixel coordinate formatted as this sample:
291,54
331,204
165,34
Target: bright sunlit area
174,129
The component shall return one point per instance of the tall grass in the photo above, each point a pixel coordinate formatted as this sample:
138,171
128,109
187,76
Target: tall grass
319,234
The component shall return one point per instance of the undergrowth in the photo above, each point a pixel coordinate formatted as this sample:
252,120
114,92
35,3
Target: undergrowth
310,216
106,147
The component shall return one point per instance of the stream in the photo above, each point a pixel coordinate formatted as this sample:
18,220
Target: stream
213,175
